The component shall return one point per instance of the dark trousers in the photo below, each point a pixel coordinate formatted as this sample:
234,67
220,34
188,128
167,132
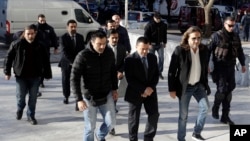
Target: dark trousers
246,33
225,99
151,108
225,82
42,78
66,70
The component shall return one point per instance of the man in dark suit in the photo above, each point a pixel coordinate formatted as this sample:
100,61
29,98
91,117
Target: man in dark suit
72,43
142,75
120,54
123,33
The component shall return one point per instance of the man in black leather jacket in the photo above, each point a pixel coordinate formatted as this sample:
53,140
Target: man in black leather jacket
30,61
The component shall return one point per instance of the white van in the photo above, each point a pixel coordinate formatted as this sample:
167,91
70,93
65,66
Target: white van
20,13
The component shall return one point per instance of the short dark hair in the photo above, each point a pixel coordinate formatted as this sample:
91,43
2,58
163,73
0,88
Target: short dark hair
112,31
41,16
32,26
229,18
71,21
157,15
109,21
98,34
142,39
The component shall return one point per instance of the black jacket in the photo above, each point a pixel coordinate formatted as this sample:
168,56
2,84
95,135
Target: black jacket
97,71
16,58
156,32
121,54
68,51
179,69
136,77
47,34
124,38
233,40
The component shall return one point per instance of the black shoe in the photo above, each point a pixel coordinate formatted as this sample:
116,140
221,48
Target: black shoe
66,101
197,137
98,138
227,121
19,115
32,120
161,76
112,132
215,113
39,94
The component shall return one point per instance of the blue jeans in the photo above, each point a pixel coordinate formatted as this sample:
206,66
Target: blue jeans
24,86
90,116
160,51
199,93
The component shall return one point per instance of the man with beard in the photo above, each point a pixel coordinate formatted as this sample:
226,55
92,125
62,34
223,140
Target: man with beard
72,43
29,60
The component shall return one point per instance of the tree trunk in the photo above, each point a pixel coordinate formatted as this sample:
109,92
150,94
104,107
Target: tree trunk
207,4
208,22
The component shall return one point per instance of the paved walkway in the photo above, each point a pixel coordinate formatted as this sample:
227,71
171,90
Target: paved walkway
57,121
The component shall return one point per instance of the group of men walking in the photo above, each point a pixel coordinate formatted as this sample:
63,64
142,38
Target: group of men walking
92,73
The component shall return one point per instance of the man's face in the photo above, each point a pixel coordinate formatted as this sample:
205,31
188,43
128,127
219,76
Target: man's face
29,35
229,25
99,44
157,20
194,39
41,20
72,28
117,20
142,49
111,26
113,39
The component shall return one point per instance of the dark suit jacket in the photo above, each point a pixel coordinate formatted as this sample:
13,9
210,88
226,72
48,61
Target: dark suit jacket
68,51
179,69
121,54
136,78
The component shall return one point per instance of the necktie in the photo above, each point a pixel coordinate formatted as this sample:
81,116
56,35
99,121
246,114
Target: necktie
73,41
144,62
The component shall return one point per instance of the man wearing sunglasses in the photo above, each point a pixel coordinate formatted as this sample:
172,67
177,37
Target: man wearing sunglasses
225,46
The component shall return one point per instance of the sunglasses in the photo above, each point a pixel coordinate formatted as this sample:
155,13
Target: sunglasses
230,25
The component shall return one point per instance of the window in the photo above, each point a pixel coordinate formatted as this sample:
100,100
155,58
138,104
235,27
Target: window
81,17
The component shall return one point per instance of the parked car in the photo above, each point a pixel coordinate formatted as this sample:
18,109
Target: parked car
139,19
18,14
226,9
195,16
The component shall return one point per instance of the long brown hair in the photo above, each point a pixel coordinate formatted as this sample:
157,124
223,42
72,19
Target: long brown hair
184,40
